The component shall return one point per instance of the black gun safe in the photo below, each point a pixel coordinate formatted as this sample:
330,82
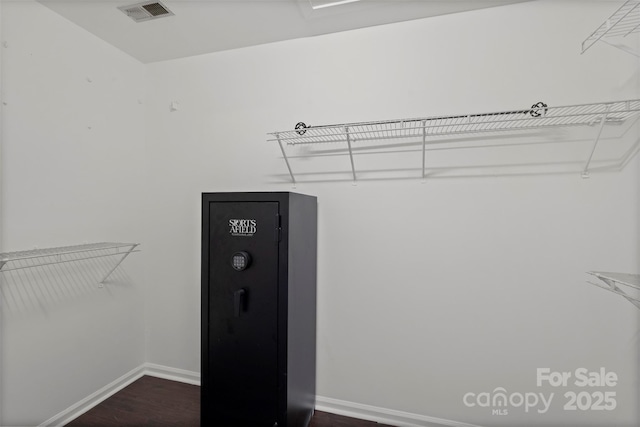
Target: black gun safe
258,309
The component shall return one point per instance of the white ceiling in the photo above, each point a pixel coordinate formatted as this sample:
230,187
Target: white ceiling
204,26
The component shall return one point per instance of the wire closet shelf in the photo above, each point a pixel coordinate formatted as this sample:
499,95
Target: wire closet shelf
625,21
539,116
10,261
612,280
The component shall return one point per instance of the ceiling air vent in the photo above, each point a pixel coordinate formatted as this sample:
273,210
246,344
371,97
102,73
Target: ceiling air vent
146,11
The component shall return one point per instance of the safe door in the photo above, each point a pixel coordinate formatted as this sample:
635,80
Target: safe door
243,314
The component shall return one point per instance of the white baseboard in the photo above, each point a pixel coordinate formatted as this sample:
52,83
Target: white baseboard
74,411
173,374
325,404
382,415
150,369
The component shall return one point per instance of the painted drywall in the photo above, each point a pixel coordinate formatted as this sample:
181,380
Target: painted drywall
1,212
427,291
72,173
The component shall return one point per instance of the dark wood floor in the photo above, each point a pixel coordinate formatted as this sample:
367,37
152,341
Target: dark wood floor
154,402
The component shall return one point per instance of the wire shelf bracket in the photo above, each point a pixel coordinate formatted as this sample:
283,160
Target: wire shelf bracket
286,159
623,22
353,168
428,129
10,261
585,171
612,280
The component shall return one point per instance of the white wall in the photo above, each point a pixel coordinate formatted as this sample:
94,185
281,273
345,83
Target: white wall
491,285
426,291
1,211
72,172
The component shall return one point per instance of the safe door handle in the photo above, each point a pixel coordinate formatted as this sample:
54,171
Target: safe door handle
239,301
